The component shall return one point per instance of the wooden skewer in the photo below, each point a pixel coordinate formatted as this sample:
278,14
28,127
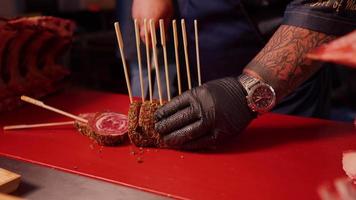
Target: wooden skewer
155,58
185,44
26,126
164,46
137,33
197,50
148,59
176,52
122,53
42,105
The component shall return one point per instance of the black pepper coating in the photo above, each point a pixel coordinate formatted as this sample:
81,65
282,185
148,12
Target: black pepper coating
141,124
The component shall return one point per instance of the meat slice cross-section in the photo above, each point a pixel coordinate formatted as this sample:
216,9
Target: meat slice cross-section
106,128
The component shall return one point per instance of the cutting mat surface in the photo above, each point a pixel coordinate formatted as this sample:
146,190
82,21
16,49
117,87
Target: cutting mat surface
277,157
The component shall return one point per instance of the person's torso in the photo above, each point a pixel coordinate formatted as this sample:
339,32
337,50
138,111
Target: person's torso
232,32
229,32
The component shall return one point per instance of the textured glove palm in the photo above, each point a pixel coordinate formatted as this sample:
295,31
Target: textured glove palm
205,115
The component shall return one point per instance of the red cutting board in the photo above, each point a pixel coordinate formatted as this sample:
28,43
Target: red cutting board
277,157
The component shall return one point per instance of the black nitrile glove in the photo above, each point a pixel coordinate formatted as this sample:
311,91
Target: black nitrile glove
201,117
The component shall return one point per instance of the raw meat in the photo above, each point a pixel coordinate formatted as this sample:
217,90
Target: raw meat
29,52
6,36
106,128
61,27
141,124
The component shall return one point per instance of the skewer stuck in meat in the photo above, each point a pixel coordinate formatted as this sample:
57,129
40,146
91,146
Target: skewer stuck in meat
141,114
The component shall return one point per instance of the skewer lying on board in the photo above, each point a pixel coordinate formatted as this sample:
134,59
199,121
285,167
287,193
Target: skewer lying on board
42,105
26,126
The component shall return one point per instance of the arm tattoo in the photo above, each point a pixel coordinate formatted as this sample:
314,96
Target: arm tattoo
282,63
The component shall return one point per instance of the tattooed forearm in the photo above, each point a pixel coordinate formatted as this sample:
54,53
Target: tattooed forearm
282,62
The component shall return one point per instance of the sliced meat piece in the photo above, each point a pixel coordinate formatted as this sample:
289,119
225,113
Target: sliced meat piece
82,127
141,124
147,122
341,51
134,129
109,128
106,128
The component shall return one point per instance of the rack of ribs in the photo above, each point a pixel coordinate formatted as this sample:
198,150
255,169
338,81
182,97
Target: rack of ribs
30,48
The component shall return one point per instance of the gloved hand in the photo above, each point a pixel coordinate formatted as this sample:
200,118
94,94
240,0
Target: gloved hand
205,115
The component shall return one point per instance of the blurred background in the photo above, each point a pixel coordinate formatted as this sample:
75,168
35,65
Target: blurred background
93,59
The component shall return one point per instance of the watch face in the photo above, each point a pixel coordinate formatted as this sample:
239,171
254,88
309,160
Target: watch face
262,98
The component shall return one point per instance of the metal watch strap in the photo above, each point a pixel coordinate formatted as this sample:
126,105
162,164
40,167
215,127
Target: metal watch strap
248,82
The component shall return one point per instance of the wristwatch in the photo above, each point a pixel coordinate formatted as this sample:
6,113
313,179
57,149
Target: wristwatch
260,96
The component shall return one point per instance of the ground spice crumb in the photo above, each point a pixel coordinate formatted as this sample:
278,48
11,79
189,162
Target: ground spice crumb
181,156
91,146
139,160
133,153
75,167
141,151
